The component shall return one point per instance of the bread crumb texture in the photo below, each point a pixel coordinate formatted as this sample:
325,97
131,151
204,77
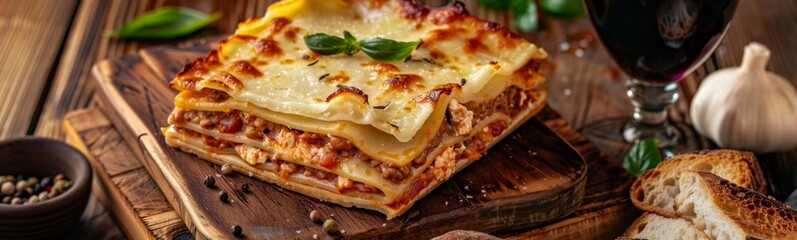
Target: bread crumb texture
728,211
656,189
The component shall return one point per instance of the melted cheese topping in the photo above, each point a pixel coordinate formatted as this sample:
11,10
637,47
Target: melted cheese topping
388,110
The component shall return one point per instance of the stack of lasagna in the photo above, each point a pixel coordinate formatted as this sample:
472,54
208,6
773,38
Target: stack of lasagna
349,129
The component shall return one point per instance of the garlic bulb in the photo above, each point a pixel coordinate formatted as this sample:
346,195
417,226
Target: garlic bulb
747,107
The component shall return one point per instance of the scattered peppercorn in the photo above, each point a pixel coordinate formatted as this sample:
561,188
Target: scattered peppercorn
210,182
226,169
7,200
59,176
223,196
16,201
236,230
245,187
315,216
331,226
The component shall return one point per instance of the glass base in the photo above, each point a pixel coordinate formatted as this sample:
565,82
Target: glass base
651,101
619,132
666,134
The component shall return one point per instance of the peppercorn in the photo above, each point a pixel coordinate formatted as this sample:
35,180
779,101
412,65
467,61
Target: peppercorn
32,181
33,199
59,176
8,188
52,194
223,196
7,200
331,226
20,177
43,196
10,178
37,189
245,187
62,185
315,216
22,184
21,193
236,230
58,186
210,182
226,169
16,201
46,181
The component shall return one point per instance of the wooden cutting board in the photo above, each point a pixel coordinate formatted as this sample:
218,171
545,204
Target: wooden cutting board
530,178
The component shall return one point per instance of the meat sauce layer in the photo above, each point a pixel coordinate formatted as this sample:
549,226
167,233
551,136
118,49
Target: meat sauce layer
327,150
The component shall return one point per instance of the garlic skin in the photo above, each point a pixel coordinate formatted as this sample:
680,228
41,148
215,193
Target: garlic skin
747,107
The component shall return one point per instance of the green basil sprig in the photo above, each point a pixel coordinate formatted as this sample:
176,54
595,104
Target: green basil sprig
381,49
326,45
526,14
644,155
165,23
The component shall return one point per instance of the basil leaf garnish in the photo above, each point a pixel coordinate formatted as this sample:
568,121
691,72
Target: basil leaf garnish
644,155
381,49
353,45
387,50
165,23
326,44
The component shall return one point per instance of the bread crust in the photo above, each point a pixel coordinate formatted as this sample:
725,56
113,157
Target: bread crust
757,215
742,168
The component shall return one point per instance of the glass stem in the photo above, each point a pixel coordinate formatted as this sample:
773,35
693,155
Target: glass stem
651,101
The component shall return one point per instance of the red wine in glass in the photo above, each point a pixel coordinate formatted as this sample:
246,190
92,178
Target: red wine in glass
657,43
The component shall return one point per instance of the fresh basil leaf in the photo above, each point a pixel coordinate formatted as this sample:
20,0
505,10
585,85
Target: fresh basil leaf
353,45
325,44
165,23
525,15
496,4
562,8
643,155
387,50
377,48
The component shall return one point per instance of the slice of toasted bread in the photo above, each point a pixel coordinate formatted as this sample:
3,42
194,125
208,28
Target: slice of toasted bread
725,210
653,226
655,189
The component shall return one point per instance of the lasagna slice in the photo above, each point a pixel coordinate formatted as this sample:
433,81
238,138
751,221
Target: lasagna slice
349,129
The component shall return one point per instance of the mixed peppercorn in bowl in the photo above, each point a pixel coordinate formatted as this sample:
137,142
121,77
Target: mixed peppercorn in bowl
44,187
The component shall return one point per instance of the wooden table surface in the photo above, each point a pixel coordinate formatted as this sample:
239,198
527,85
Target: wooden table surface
48,48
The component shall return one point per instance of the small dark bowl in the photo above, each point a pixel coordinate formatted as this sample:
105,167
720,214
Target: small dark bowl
41,157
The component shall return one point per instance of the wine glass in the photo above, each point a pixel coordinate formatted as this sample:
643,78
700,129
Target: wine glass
658,43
